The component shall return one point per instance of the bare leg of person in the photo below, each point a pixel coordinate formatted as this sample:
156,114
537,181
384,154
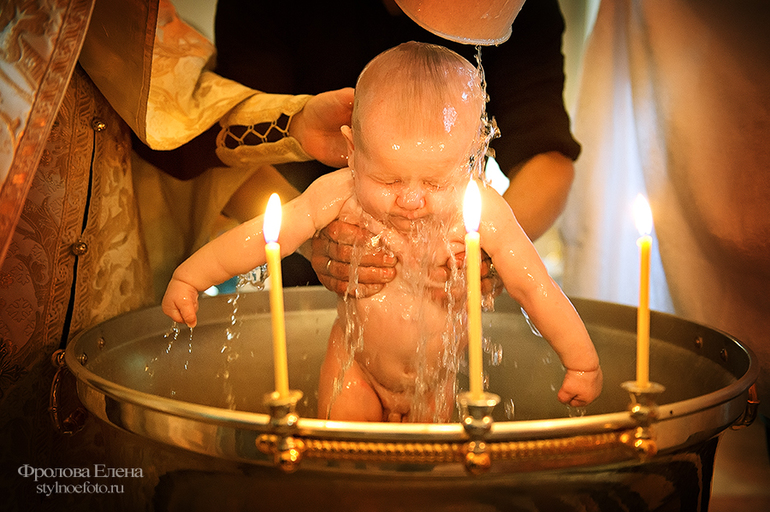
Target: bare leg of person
357,400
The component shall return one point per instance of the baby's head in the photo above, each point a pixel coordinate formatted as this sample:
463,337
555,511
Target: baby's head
416,120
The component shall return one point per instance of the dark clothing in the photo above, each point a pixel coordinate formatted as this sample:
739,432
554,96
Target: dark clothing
312,47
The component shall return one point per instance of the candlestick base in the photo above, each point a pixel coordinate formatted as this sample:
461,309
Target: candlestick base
476,417
644,410
286,449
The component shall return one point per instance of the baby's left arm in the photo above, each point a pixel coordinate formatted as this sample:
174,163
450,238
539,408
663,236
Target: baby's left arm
525,277
243,248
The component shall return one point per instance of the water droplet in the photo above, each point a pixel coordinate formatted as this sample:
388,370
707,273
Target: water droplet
576,412
255,277
496,352
508,408
173,332
488,303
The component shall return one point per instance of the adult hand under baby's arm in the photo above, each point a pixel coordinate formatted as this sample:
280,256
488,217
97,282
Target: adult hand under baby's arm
581,387
332,250
180,302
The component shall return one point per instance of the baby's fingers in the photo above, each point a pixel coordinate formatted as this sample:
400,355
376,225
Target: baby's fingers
180,303
189,314
183,312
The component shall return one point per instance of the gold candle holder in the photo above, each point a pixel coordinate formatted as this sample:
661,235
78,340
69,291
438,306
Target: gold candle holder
285,448
476,418
644,410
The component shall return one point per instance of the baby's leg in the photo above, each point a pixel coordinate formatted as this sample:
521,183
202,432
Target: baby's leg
357,400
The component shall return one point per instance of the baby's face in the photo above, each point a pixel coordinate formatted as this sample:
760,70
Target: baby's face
401,178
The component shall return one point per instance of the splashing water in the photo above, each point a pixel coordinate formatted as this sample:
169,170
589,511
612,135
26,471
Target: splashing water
171,335
509,408
149,368
440,381
495,351
229,352
189,350
488,130
256,278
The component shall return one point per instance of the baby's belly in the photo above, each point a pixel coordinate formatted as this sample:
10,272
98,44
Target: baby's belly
404,336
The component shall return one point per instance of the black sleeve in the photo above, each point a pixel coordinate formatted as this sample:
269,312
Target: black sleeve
525,82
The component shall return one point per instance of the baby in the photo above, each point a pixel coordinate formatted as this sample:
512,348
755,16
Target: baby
416,121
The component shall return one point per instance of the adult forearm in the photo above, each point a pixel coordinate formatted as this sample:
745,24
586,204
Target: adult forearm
538,191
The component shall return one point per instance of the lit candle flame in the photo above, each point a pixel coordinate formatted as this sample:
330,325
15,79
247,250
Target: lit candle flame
472,207
642,215
272,223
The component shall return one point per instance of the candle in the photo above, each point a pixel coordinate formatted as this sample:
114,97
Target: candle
271,228
643,217
472,218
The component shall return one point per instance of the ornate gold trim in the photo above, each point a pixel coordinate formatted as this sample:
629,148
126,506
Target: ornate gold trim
534,454
53,72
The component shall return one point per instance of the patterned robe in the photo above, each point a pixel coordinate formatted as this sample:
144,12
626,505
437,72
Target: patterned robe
73,251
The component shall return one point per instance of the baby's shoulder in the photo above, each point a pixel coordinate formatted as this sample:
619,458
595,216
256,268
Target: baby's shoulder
339,180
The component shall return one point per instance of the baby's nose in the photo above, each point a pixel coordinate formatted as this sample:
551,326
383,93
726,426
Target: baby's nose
412,198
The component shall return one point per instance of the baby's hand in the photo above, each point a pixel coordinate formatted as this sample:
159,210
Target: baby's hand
580,388
181,302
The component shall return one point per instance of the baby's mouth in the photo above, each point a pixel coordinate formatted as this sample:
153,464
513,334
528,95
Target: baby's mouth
401,223
411,215
405,222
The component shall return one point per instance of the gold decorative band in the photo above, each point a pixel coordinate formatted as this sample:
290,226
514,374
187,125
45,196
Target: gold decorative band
576,450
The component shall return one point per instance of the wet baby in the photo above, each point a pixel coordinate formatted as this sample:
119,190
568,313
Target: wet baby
416,122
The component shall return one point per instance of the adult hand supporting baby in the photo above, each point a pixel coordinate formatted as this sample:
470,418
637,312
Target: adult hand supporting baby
332,249
491,284
332,253
317,126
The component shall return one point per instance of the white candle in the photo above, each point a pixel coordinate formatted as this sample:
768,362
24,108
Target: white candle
643,217
472,218
271,229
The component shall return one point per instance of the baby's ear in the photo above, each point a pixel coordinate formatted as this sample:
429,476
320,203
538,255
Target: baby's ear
347,132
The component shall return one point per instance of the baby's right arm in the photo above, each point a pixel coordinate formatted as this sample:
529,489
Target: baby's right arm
243,248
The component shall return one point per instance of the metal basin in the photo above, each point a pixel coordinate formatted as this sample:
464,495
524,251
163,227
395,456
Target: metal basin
195,405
